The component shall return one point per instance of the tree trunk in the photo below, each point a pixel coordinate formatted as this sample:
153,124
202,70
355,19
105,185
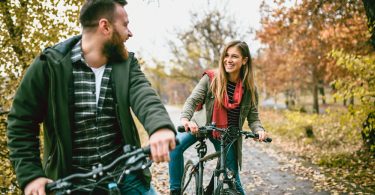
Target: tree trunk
315,90
351,100
322,92
333,91
370,12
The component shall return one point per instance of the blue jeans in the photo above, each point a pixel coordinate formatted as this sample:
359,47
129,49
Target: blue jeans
133,185
176,164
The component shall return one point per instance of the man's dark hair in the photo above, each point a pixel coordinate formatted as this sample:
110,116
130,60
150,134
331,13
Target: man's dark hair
93,10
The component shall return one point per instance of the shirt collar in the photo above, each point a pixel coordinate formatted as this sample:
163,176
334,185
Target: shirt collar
77,54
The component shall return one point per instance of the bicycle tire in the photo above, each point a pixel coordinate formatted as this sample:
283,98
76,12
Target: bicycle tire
228,192
189,179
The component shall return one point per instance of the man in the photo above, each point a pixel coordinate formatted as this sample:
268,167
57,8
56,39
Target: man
83,91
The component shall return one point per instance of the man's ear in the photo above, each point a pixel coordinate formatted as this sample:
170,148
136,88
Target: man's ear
105,26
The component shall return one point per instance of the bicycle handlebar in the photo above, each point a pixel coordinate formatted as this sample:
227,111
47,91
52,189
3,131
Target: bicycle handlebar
210,128
129,152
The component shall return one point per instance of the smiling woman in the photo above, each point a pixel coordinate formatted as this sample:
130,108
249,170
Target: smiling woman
229,97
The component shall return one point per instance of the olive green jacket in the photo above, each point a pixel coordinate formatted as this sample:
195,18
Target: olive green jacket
45,95
202,93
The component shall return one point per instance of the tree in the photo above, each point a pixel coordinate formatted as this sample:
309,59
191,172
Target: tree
170,90
198,48
307,32
26,28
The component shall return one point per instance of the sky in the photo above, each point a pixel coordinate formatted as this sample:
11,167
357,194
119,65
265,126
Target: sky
154,22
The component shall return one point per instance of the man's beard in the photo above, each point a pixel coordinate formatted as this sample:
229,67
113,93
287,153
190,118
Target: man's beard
114,49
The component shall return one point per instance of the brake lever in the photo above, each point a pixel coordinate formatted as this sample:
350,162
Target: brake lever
139,166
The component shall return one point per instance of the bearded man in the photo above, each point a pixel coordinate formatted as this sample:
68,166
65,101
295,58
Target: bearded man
83,91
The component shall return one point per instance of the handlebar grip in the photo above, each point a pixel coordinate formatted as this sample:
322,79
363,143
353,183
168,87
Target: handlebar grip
181,129
49,186
256,135
268,139
147,150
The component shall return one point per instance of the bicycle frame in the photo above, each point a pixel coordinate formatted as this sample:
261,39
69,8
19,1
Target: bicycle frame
201,148
222,168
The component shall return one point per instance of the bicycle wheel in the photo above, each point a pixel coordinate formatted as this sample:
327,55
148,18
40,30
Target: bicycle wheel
228,192
189,179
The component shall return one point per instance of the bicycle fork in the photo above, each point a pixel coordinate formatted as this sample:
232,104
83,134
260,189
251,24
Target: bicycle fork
202,150
221,169
220,173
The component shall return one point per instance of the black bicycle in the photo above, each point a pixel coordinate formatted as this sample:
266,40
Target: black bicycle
133,159
224,179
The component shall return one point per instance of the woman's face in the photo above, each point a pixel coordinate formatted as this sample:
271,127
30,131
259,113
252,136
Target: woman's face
233,61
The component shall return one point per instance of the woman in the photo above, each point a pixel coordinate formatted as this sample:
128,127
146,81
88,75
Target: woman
229,96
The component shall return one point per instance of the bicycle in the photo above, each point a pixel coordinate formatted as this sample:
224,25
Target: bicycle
224,180
133,159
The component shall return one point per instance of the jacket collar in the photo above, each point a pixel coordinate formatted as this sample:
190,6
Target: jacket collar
61,50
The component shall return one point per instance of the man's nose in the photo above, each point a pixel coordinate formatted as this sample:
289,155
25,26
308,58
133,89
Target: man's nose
130,34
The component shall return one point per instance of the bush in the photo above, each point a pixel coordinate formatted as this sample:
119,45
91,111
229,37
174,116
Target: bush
359,83
8,184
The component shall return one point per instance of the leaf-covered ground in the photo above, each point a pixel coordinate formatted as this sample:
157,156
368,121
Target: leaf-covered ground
264,171
328,163
335,149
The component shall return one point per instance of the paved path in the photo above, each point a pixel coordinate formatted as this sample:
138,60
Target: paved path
263,172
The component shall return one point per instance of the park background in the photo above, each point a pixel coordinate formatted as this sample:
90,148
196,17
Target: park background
314,62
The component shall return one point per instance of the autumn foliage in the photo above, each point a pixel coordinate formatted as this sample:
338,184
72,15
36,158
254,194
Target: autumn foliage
311,49
299,40
312,46
26,28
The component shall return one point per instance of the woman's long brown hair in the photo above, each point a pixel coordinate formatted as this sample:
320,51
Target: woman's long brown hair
219,83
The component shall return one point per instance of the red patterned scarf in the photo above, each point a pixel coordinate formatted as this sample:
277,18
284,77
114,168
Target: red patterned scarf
219,115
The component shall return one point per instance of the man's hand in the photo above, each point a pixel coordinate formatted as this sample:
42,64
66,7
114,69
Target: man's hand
161,142
36,186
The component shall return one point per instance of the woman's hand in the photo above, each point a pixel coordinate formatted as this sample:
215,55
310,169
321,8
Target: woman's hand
262,135
189,125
